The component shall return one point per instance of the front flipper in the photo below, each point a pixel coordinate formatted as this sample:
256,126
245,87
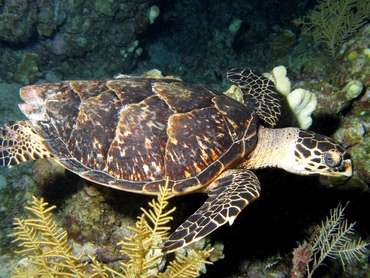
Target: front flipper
263,94
19,143
228,195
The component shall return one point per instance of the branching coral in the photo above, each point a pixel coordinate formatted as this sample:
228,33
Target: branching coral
333,21
331,240
144,246
150,232
45,247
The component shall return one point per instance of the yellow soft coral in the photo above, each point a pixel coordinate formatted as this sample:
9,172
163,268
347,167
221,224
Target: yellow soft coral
45,245
47,253
144,246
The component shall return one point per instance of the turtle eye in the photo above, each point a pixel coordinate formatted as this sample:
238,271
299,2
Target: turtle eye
332,158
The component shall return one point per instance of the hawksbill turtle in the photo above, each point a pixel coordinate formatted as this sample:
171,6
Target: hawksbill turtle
133,134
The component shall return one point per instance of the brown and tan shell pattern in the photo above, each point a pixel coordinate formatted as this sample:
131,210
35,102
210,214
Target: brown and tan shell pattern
133,133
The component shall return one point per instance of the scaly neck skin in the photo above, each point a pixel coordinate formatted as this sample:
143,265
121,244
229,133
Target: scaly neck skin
275,148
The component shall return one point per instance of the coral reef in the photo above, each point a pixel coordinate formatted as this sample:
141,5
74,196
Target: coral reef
44,246
9,97
331,240
28,71
17,20
144,246
73,39
353,133
301,102
342,90
46,251
282,43
153,13
50,17
333,21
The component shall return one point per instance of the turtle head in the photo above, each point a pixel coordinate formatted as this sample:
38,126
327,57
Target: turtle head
316,154
300,152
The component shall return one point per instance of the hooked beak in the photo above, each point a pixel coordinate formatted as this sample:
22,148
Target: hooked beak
346,168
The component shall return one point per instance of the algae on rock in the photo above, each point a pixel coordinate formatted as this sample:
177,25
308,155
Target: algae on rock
28,71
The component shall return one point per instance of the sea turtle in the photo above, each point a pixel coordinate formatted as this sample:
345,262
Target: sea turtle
134,133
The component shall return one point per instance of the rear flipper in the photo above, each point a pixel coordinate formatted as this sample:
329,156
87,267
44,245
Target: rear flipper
20,143
228,195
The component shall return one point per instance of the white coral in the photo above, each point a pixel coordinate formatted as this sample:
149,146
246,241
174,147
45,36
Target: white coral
302,102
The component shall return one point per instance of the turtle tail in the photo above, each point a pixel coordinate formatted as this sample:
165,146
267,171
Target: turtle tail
19,143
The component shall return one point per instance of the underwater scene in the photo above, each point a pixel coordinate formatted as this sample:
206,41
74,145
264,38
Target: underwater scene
183,138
